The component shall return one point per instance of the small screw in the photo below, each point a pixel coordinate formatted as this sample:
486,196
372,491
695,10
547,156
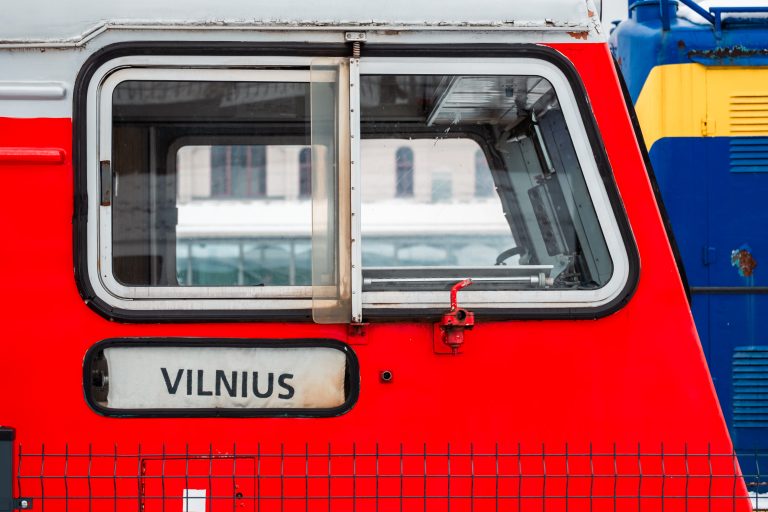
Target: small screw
386,376
24,504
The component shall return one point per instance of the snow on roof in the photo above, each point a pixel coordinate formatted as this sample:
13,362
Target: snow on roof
54,20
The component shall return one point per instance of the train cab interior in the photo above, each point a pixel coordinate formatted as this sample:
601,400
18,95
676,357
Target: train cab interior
462,175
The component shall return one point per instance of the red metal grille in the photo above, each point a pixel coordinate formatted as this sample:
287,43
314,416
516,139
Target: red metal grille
352,479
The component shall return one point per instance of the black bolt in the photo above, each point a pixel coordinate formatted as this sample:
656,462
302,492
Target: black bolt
386,376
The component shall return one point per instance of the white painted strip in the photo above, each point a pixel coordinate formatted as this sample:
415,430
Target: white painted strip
194,500
32,91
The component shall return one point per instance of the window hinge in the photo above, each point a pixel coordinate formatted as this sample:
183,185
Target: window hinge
105,180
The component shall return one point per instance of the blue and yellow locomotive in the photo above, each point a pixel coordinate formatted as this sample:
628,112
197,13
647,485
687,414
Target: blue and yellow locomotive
698,77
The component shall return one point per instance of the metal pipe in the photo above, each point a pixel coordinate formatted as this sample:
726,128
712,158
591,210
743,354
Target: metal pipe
665,21
539,280
698,10
731,290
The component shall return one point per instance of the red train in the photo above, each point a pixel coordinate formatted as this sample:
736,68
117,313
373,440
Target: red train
339,257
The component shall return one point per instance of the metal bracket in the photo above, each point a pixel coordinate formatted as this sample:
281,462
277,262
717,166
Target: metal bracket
454,323
357,39
353,37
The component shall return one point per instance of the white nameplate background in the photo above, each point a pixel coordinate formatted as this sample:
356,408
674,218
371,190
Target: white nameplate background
225,377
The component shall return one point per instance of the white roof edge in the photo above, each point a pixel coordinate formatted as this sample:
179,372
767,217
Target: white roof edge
91,33
62,24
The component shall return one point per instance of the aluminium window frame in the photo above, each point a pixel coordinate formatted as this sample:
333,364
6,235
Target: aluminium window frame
196,55
393,302
99,148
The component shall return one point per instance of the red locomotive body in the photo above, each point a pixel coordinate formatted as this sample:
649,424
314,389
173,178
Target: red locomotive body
567,405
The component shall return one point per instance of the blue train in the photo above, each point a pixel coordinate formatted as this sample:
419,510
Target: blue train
698,77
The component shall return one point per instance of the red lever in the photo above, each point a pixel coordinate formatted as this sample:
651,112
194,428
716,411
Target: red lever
457,320
455,292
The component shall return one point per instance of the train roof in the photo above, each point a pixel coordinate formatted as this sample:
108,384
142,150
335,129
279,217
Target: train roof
76,21
45,43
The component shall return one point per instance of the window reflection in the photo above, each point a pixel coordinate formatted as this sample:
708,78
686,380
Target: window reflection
261,239
483,179
499,194
210,183
404,172
305,172
238,171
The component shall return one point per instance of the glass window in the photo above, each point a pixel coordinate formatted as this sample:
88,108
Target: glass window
210,184
294,187
499,197
238,171
483,180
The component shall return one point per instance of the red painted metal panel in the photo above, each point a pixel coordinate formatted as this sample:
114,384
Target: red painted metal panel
635,380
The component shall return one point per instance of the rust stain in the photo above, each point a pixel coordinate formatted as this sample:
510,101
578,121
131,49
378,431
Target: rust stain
743,260
728,52
578,35
590,13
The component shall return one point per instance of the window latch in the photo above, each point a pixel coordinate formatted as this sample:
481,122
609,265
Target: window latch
456,321
105,180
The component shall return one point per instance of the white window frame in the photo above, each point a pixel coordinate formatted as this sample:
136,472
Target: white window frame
250,298
99,148
512,299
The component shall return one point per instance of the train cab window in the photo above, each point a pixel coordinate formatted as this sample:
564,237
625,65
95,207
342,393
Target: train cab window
539,229
200,191
321,190
507,191
222,214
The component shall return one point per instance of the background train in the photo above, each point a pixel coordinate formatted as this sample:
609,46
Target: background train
698,76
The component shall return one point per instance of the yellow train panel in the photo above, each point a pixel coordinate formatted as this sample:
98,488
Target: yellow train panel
692,100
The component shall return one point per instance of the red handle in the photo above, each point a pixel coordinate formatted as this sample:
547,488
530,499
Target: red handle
455,291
